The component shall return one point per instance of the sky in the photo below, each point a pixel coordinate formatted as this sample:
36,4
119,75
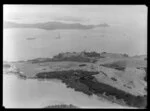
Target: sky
85,14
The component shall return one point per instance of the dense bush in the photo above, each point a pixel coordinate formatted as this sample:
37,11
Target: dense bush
100,88
73,58
119,65
114,79
81,65
125,55
65,74
61,106
91,54
59,56
77,58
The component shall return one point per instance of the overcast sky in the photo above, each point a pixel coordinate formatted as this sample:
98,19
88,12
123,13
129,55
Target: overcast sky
86,14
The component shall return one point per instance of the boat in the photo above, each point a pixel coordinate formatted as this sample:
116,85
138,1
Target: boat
58,37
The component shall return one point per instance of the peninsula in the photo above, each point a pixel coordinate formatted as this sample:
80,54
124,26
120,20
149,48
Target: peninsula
107,75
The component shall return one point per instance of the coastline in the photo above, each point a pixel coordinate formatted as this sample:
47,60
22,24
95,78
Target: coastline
86,85
83,81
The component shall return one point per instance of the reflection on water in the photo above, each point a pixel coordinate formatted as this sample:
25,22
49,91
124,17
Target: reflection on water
32,93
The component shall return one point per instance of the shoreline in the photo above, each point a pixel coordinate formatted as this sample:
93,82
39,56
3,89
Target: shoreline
86,85
83,81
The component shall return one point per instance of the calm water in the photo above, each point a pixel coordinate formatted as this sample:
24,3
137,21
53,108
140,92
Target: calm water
19,93
34,93
117,39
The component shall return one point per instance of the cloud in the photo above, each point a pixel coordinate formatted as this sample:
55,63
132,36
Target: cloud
71,19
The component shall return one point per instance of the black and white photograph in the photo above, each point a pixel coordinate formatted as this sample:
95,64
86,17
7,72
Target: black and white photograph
74,56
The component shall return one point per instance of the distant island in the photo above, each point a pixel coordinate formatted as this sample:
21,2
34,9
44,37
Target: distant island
52,25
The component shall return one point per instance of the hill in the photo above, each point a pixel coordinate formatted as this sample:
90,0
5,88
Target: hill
52,25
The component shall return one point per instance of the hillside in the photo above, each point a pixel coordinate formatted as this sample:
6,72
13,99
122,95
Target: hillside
116,71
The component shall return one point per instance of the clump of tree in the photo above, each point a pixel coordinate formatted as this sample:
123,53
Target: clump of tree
92,54
77,58
81,65
59,56
62,106
101,88
125,55
64,74
83,57
22,76
119,65
114,79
